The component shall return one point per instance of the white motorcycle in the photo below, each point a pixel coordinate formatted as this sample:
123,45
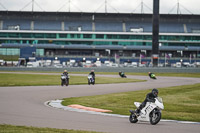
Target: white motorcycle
151,112
65,80
91,80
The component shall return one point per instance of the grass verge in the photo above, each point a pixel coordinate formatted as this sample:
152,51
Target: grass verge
181,102
39,80
24,129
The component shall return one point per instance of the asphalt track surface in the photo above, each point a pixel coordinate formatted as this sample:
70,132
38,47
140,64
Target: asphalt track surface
25,106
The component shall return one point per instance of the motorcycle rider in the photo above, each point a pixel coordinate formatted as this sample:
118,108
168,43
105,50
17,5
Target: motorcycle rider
149,98
121,74
150,74
93,74
65,73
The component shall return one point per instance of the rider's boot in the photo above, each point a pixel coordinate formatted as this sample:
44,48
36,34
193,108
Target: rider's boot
132,111
137,112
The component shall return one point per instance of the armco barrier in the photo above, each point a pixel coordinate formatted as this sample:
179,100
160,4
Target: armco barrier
106,69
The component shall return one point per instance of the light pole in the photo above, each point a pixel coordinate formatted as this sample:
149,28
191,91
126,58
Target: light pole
181,60
155,37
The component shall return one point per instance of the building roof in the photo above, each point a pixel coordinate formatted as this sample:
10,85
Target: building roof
81,15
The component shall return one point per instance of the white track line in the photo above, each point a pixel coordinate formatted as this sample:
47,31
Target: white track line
57,104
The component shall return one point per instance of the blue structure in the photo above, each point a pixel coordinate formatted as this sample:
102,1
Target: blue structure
26,52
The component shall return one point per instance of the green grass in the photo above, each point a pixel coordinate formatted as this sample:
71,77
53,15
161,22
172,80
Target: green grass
39,80
181,102
24,129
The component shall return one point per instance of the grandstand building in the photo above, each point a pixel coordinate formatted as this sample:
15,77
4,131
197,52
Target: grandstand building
68,35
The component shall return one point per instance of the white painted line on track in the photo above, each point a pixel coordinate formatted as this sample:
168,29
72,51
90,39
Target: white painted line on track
57,104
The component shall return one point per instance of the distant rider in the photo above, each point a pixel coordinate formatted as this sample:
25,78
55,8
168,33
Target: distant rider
121,74
65,73
150,74
64,78
150,97
93,74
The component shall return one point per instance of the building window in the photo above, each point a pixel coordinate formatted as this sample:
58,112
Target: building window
9,51
87,36
40,52
99,36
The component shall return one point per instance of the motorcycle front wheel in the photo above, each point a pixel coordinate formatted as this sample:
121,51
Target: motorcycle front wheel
133,118
155,117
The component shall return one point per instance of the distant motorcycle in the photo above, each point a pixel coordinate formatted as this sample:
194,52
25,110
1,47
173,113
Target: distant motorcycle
65,80
151,112
91,80
153,76
122,75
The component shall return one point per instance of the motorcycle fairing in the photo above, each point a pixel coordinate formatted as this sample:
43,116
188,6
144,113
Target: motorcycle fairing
146,111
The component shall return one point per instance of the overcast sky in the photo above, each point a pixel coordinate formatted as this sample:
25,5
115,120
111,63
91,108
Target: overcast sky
121,6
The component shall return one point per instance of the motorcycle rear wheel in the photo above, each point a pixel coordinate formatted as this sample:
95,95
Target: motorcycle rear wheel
155,117
133,118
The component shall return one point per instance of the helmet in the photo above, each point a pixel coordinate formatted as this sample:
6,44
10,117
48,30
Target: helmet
65,70
155,92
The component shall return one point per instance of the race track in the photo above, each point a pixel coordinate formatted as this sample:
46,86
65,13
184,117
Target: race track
25,106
